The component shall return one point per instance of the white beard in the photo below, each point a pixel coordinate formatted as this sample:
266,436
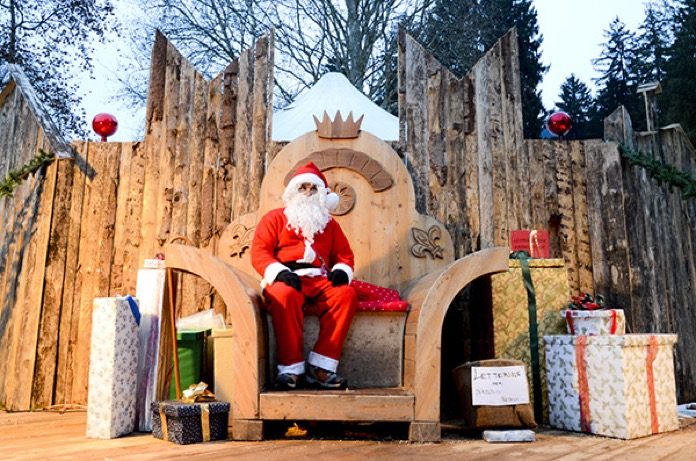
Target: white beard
307,215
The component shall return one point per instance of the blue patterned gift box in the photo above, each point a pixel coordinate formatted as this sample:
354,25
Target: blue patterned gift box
112,368
186,423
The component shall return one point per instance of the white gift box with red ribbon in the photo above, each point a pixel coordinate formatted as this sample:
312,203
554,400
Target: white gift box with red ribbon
618,386
597,322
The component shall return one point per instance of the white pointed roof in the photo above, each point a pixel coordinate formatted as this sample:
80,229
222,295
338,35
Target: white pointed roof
332,92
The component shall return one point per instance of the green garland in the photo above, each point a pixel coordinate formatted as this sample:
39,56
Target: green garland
661,172
15,177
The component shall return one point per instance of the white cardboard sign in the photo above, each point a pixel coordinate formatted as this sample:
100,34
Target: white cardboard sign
499,386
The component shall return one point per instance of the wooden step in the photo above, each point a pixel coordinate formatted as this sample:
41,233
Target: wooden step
376,404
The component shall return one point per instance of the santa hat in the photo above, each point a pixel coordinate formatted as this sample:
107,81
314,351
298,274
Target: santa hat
311,174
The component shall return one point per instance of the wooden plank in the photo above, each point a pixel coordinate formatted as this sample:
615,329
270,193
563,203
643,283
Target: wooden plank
243,124
208,194
484,149
154,137
96,252
566,208
129,252
69,318
167,151
231,163
415,156
608,225
538,212
37,225
180,185
582,233
63,438
121,224
337,406
519,216
551,202
436,164
261,119
197,152
182,153
21,207
54,283
456,218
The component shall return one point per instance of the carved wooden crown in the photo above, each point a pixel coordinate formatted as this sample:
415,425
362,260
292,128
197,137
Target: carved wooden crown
338,128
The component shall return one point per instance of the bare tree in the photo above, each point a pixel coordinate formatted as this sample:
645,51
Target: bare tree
355,37
51,40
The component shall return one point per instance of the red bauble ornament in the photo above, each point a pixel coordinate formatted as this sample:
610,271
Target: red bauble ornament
559,123
104,125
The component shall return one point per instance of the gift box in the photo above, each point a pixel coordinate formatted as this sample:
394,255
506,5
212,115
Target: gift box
618,386
511,314
113,364
185,423
597,322
154,357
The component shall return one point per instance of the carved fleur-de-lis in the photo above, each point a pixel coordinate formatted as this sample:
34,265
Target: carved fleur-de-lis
426,242
241,239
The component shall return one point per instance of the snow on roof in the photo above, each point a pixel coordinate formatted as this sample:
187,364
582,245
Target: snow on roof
332,92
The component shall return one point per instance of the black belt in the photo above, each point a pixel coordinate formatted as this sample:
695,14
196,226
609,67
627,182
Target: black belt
294,265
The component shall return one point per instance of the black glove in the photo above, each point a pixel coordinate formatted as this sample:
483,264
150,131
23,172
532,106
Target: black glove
291,279
337,277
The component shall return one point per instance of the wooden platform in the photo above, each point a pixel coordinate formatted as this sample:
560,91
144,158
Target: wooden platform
55,436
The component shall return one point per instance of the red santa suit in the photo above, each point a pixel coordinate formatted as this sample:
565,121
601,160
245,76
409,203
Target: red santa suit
276,244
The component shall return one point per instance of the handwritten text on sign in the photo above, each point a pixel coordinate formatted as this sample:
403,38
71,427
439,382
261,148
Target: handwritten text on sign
499,386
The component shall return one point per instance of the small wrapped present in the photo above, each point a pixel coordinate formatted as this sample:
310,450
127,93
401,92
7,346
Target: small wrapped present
597,322
113,364
186,423
618,386
588,315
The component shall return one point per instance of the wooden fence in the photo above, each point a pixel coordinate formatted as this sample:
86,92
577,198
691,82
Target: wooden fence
81,228
620,233
92,221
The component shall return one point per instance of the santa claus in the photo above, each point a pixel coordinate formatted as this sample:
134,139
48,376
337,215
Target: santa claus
302,254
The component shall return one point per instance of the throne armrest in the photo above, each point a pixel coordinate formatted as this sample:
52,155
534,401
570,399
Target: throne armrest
430,297
242,297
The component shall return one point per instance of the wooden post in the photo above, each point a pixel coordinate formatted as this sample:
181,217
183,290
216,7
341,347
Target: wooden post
172,318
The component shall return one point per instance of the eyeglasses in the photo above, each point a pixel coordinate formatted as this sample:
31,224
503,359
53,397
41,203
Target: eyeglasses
307,187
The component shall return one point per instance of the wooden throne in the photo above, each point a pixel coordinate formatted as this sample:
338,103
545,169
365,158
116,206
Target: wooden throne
394,246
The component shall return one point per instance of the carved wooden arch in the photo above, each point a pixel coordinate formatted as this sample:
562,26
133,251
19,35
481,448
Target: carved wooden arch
430,298
374,172
241,301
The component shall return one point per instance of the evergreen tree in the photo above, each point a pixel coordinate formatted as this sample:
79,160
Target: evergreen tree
679,98
653,41
531,69
617,85
459,33
577,101
51,41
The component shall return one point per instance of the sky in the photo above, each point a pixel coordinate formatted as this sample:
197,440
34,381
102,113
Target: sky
573,33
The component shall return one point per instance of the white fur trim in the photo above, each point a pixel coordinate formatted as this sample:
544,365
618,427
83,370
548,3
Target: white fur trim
322,361
300,179
332,201
294,369
309,272
309,254
272,271
345,268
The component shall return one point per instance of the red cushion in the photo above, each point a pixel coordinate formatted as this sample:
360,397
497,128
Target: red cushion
374,298
371,298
